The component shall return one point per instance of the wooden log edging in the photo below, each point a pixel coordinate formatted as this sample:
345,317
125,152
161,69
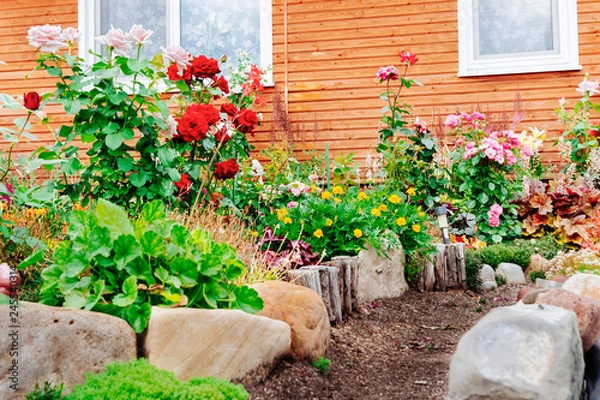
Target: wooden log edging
335,282
448,269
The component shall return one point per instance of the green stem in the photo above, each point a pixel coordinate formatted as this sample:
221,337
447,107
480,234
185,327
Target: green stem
12,146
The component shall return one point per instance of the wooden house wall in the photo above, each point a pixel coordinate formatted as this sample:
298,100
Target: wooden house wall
325,57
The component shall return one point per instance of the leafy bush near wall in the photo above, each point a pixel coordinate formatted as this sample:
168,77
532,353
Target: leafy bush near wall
140,380
519,251
473,265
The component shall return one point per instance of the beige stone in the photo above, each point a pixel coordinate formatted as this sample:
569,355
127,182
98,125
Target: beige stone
586,310
228,344
537,263
380,277
59,345
587,285
303,310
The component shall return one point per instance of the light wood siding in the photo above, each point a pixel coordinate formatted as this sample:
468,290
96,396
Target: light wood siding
334,49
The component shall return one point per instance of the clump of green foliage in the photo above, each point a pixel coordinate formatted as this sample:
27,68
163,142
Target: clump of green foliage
139,380
123,267
473,263
322,365
47,392
533,275
500,280
518,252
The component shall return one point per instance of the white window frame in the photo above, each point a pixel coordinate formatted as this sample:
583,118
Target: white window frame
566,59
89,20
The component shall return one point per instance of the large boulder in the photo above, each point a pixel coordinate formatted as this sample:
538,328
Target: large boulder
519,352
512,273
59,345
303,310
228,344
380,277
487,278
537,263
586,310
587,285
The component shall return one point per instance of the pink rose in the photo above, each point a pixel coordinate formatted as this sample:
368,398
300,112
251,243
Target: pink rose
177,55
138,35
466,117
71,35
292,204
387,73
493,220
452,121
48,38
527,152
510,158
496,209
116,39
460,141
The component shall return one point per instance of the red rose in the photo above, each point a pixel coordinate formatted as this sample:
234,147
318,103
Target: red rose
32,100
226,169
184,184
203,67
222,84
229,109
173,74
208,111
192,127
246,120
221,136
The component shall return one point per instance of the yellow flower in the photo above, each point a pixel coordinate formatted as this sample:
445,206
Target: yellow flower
318,233
328,222
416,228
314,189
254,234
376,212
401,221
287,220
362,196
395,199
282,213
421,214
357,233
3,206
326,195
337,190
337,199
411,191
382,207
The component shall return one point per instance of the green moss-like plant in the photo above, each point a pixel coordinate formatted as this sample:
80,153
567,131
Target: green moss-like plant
47,392
473,263
139,380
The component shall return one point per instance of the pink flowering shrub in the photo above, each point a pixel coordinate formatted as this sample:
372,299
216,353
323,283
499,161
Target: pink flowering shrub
485,170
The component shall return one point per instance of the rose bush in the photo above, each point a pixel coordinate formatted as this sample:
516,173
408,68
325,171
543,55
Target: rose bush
140,149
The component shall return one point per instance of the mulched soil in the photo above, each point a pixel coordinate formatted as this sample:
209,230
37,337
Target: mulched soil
395,349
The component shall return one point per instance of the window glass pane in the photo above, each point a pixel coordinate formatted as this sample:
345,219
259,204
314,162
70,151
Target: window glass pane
515,26
218,27
151,14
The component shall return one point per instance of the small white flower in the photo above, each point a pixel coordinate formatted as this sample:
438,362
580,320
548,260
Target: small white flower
562,102
257,168
588,88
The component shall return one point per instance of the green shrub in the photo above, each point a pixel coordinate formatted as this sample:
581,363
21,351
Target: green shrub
500,280
138,380
533,275
48,392
473,263
123,267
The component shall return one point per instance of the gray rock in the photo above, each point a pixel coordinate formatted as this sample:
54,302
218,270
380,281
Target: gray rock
486,273
487,277
519,352
227,344
545,283
488,286
58,345
380,277
512,273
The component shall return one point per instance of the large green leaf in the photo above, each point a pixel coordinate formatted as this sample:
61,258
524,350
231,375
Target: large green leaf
141,269
129,294
138,316
153,211
152,244
74,300
248,300
91,301
114,218
186,270
126,249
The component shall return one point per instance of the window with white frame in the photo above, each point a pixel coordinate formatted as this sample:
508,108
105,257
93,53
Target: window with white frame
517,36
210,27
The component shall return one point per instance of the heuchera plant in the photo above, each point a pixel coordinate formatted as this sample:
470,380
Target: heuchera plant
123,267
483,168
138,150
